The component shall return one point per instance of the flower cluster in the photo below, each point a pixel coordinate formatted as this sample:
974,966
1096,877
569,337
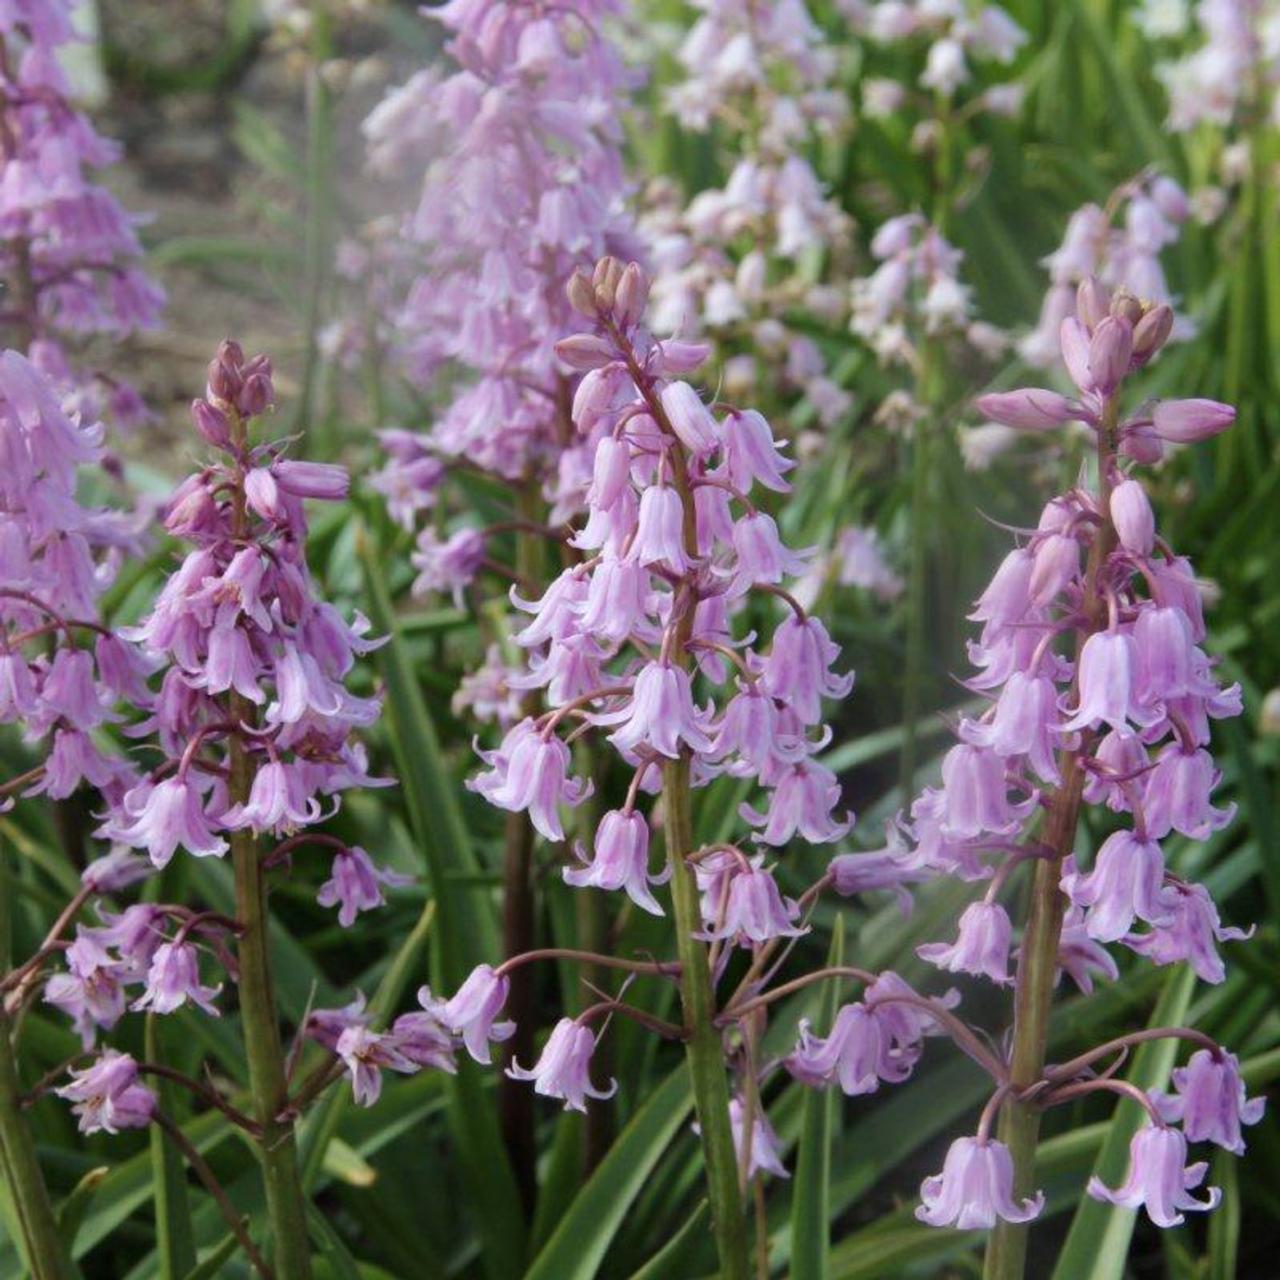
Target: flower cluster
916,292
70,253
1122,725
523,182
955,34
61,672
1121,245
1238,58
767,79
240,670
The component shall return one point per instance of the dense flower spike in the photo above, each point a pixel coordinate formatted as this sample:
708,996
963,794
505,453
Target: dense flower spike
70,255
1124,723
763,80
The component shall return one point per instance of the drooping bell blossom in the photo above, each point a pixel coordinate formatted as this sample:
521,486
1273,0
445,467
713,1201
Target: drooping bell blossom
473,1012
420,1037
1159,1179
1079,955
163,817
529,772
366,1054
450,565
173,979
878,869
91,991
1209,1100
976,793
107,1096
798,668
661,714
355,884
747,907
1192,933
1106,683
1177,791
71,261
1125,884
802,803
621,860
1024,723
563,1069
975,1189
981,946
765,1155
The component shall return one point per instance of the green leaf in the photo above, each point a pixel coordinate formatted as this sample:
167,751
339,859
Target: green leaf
330,1245
467,931
1224,1222
811,1203
175,1240
71,1212
1098,1242
580,1243
212,1263
666,1261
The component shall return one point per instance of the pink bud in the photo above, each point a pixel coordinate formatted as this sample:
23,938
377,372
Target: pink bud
1152,332
1109,353
1142,445
257,394
581,296
1186,421
1074,338
1132,516
224,380
675,357
1093,301
584,351
690,419
1031,409
632,296
211,423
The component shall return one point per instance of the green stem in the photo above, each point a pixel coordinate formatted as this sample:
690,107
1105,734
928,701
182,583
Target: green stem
41,1241
1038,960
703,1044
286,1205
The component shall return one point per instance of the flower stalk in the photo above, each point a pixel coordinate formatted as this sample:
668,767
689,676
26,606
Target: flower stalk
1038,961
286,1206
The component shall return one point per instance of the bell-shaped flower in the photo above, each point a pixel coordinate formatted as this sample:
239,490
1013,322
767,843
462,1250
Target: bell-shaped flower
690,419
162,816
473,1012
1159,1179
660,714
1133,518
278,802
366,1054
529,772
1126,883
107,1095
355,884
976,794
1165,654
1192,934
759,1146
1177,795
1024,723
659,535
1055,565
1119,759
1106,679
621,860
751,453
173,979
974,1189
798,669
750,910
563,1069
1209,1100
801,803
617,599
1079,955
981,946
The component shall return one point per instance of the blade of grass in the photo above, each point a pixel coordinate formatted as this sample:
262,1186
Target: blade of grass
175,1240
811,1203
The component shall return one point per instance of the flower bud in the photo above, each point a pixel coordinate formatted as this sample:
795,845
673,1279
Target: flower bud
1031,409
605,281
581,296
1109,353
633,295
1125,306
1093,301
211,423
230,353
1152,332
1186,421
584,351
690,419
1133,518
257,394
224,381
1142,445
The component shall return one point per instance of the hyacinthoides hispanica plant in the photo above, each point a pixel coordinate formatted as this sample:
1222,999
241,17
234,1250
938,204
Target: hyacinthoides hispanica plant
69,252
677,550
256,733
61,671
1123,723
524,181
